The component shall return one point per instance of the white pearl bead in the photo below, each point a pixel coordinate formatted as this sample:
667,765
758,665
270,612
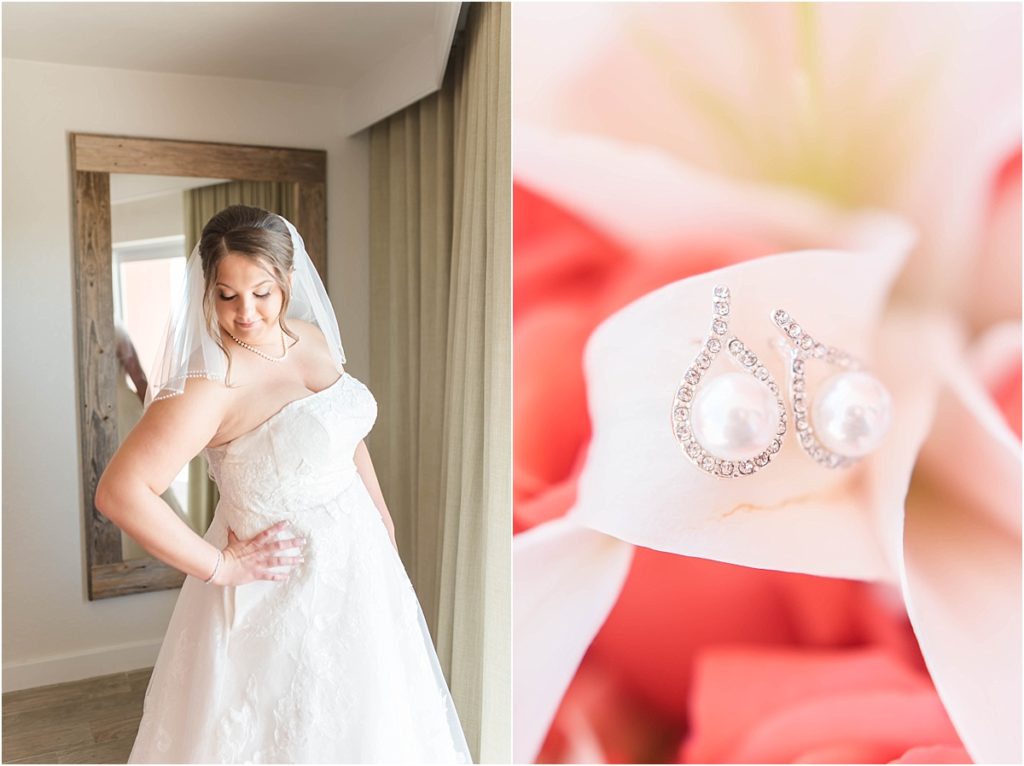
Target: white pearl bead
852,413
734,417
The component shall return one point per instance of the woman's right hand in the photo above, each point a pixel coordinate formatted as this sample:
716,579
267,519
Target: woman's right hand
249,560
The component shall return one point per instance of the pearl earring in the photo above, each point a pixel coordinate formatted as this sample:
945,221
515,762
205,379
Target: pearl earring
851,412
730,425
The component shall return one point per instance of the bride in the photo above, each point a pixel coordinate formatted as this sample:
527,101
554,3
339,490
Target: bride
297,636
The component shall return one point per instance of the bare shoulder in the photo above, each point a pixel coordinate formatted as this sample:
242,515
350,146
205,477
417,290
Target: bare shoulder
199,409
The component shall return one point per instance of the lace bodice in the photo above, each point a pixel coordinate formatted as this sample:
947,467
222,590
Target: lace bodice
300,458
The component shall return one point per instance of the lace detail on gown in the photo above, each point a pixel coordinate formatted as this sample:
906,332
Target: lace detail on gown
333,665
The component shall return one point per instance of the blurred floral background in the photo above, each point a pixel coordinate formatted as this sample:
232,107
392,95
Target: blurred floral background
789,120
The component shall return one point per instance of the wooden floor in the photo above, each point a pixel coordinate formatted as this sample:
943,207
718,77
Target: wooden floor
91,721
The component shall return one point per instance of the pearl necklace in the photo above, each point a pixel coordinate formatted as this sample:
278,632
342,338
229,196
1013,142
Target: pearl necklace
256,351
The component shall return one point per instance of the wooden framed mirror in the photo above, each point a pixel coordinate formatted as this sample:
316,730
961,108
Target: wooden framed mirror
297,179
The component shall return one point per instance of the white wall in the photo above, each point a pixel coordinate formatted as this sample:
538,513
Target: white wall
51,632
161,216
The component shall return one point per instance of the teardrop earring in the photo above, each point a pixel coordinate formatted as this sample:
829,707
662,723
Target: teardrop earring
850,413
732,424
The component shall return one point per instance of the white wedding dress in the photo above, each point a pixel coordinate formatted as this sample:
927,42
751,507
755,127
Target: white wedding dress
333,665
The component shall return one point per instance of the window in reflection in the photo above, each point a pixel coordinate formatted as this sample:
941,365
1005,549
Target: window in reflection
146,275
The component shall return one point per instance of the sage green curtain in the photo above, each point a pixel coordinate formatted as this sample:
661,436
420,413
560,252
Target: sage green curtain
200,205
440,242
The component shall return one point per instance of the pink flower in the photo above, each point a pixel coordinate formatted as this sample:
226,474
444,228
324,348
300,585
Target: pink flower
757,705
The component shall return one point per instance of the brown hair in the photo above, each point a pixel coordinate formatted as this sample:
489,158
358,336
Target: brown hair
254,233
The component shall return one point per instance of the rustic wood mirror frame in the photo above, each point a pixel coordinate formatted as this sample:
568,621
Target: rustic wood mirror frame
93,159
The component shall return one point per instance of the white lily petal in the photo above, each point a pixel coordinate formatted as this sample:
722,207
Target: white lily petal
792,516
649,200
995,352
566,580
962,588
971,447
908,341
962,559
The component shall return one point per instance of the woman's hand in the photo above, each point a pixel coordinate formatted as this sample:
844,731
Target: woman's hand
249,560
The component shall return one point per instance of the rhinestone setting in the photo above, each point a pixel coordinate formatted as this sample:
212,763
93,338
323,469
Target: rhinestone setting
800,348
743,358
